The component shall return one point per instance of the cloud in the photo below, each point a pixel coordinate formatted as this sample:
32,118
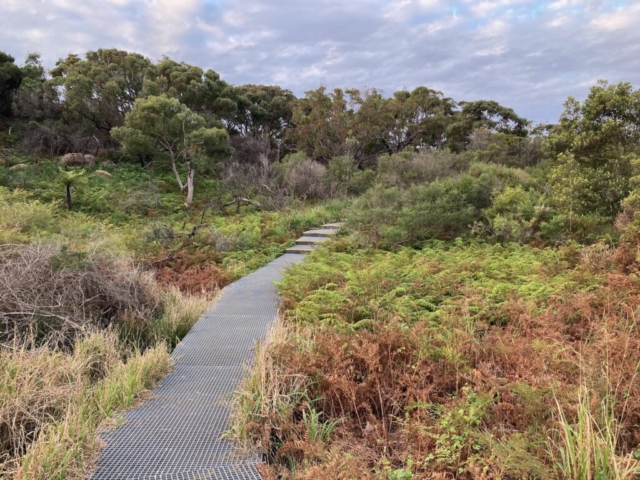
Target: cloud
526,54
620,19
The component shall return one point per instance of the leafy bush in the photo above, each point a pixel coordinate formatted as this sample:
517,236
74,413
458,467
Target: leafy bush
583,189
443,209
407,168
516,215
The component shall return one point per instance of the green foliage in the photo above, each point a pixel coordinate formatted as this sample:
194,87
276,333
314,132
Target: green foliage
318,430
516,215
22,218
102,88
594,146
397,473
443,209
366,124
200,91
516,455
10,80
261,111
456,434
579,189
345,178
602,127
163,126
72,180
345,288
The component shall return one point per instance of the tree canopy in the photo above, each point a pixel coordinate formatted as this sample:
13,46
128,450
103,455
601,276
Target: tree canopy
10,80
164,127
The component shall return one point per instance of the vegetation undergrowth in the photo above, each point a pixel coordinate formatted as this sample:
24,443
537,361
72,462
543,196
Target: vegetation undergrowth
125,280
457,360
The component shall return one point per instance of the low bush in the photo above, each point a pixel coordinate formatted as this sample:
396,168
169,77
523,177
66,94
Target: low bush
443,209
304,177
408,168
53,293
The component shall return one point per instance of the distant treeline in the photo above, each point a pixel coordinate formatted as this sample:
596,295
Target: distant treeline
75,106
123,107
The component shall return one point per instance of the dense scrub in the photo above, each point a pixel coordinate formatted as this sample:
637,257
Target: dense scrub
477,319
465,361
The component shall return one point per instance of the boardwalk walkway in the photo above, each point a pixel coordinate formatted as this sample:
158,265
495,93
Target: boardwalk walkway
177,434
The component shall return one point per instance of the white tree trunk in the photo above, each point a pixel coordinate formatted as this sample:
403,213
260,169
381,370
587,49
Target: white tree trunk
175,172
190,174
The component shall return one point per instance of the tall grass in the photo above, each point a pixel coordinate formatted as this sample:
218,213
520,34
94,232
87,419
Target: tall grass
265,400
54,398
587,449
177,313
52,402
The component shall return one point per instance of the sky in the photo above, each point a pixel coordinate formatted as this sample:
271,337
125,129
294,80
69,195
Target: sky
528,55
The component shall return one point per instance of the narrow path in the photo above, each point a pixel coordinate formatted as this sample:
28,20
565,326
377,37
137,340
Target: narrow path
177,434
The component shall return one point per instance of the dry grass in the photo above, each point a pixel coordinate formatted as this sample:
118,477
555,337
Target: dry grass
84,336
52,402
588,448
51,293
268,395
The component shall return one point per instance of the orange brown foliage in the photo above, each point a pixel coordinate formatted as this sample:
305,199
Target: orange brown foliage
381,383
191,274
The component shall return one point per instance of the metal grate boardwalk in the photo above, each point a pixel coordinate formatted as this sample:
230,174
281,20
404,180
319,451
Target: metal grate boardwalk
177,434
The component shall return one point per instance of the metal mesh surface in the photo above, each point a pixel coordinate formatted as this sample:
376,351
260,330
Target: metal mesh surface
176,435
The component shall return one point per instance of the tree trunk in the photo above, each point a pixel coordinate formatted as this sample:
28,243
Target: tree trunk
190,174
69,204
175,172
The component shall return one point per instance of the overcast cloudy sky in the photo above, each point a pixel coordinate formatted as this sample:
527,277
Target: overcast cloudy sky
529,55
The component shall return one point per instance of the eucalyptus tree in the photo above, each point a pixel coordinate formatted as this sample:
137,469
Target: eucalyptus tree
10,80
323,124
262,110
487,115
164,127
99,90
202,91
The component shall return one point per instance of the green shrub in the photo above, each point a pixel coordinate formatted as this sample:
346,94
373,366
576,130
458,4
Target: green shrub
516,215
408,168
443,209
